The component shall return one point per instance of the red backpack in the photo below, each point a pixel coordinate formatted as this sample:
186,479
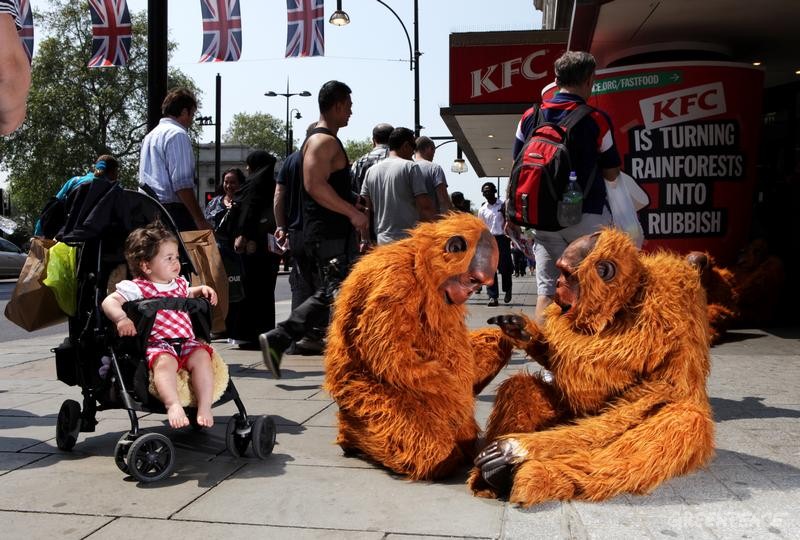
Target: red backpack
540,173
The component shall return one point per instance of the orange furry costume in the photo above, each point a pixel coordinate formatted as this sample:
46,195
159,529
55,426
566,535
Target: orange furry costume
721,295
627,408
400,362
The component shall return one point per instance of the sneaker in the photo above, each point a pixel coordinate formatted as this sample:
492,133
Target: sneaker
308,346
507,297
493,302
272,351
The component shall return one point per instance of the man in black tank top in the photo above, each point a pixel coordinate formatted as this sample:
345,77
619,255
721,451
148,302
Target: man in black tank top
332,216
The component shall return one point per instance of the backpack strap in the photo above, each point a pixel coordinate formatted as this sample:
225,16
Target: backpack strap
570,121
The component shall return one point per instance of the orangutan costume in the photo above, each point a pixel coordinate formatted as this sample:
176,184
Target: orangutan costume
400,362
627,345
721,295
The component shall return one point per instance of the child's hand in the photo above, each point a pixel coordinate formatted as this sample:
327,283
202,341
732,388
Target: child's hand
125,327
208,292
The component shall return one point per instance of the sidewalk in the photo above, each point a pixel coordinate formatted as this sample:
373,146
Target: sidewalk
308,489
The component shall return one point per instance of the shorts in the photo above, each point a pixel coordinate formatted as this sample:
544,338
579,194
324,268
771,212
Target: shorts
158,347
551,244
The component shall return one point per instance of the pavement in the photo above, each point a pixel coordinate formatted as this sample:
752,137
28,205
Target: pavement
307,489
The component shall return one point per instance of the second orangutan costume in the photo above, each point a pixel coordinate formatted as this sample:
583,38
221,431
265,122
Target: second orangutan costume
627,344
400,362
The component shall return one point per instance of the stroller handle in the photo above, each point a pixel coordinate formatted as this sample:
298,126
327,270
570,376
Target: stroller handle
148,307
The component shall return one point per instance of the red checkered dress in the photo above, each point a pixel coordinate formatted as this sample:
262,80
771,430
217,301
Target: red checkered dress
169,324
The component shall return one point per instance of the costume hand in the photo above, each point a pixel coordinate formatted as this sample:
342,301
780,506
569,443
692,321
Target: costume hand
496,463
125,327
511,325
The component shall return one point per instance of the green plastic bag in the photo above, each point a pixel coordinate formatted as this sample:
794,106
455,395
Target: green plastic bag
61,277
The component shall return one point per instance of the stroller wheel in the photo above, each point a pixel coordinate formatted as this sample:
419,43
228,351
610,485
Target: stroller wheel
264,432
68,424
151,457
121,452
236,438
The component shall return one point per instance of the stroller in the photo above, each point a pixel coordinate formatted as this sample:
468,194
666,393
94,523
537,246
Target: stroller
112,371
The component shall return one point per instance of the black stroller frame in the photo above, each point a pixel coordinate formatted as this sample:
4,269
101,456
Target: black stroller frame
147,456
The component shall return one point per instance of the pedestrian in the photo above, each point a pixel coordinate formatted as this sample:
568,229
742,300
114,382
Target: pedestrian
53,215
252,222
435,179
304,278
460,204
379,152
152,256
395,192
217,212
332,219
593,154
166,162
492,212
15,70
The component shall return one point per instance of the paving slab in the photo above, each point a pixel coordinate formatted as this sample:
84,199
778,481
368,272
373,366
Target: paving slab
175,529
28,525
339,498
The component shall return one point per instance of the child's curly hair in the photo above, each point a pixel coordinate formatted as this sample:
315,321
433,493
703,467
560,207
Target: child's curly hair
143,244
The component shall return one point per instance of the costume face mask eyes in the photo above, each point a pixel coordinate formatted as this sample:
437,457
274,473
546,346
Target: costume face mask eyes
606,270
455,244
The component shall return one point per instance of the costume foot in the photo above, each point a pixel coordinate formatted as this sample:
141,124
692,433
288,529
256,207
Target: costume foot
177,416
493,302
272,349
205,417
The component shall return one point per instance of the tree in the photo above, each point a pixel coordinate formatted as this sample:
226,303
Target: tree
76,113
257,130
355,149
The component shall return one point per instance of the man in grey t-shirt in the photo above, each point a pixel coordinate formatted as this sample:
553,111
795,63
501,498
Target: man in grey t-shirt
434,175
395,190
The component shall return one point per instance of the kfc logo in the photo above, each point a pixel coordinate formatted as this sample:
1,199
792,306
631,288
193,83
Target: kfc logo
499,76
683,105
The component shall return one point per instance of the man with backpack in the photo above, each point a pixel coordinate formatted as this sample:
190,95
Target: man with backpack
576,138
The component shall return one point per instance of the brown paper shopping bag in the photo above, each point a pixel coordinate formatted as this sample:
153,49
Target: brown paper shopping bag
202,249
33,305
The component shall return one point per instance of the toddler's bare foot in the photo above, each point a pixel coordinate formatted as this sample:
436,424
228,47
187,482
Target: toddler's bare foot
176,416
204,417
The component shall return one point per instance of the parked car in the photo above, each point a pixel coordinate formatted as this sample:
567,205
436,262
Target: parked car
12,258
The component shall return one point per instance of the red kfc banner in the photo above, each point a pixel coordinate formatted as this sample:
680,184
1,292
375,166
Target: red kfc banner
506,73
688,133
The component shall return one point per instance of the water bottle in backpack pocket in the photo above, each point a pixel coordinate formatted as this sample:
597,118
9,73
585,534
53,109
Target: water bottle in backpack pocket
570,207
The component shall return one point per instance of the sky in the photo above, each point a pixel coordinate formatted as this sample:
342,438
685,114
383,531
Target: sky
370,54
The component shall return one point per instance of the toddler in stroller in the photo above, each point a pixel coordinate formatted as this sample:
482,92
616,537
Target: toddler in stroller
152,256
112,370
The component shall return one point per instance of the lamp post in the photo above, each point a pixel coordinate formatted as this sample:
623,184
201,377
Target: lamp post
297,116
287,95
340,18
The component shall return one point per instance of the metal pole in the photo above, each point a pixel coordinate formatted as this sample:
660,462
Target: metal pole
288,144
218,130
417,126
156,59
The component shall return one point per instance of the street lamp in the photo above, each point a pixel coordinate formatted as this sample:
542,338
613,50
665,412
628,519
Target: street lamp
287,95
340,18
459,165
297,116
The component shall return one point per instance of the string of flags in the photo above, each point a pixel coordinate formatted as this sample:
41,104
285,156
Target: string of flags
222,30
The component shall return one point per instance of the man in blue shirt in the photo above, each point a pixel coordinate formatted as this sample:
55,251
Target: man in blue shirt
167,161
592,151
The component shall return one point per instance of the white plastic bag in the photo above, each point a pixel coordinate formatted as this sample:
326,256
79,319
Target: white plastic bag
623,212
637,194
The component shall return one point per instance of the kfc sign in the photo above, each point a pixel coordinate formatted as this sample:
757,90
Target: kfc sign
683,105
485,80
496,73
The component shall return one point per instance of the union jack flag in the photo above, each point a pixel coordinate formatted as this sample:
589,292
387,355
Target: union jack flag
222,30
26,32
306,32
111,33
